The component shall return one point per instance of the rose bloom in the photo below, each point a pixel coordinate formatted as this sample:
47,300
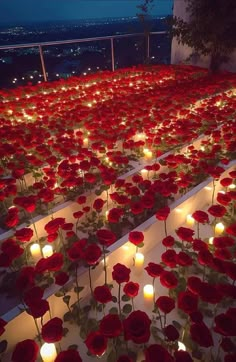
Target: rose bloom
24,234
124,358
102,294
25,351
33,294
110,326
61,278
54,262
154,270
187,302
38,308
92,254
223,241
165,304
163,213
168,241
223,199
225,325
137,327
201,334
114,215
136,237
226,181
231,229
96,343
98,204
68,356
168,279
183,259
194,284
131,289
201,217
217,210
106,237
157,351
171,333
52,331
121,273
52,226
25,278
169,258
185,234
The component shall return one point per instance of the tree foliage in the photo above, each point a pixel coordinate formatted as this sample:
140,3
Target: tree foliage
210,29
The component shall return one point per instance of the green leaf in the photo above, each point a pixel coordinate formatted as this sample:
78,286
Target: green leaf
113,310
65,331
177,325
125,298
67,317
59,294
78,289
127,308
114,299
3,346
66,299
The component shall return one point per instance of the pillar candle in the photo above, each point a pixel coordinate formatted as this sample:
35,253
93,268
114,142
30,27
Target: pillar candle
48,352
35,252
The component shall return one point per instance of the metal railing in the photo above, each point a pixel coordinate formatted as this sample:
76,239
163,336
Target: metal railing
74,41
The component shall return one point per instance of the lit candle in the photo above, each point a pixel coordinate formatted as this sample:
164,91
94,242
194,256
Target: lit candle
189,220
36,252
148,154
48,352
219,228
144,172
181,346
232,186
148,293
211,240
85,142
47,251
138,262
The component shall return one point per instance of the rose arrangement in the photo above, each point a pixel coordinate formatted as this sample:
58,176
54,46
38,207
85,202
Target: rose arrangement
133,202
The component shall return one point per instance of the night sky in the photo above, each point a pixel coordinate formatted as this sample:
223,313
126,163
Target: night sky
20,11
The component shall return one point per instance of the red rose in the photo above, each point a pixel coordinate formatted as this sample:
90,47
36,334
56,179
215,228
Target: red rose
33,294
54,262
205,257
157,351
114,215
154,270
92,254
121,273
131,289
110,326
11,249
81,200
230,357
52,237
198,245
171,333
12,217
52,226
223,199
217,210
96,343
136,237
225,325
194,284
201,334
2,325
185,234
76,251
223,241
24,234
163,213
38,308
106,237
168,279
137,327
61,278
98,204
25,351
182,356
201,217
71,355
136,207
78,214
188,302
169,258
26,202
165,304
168,241
227,345
183,259
102,294
226,181
25,278
231,229
52,331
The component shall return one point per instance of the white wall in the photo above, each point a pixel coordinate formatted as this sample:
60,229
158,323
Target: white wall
179,52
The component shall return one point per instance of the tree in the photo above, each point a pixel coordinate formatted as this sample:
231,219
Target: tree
210,29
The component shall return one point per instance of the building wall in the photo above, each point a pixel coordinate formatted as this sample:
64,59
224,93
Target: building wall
180,53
